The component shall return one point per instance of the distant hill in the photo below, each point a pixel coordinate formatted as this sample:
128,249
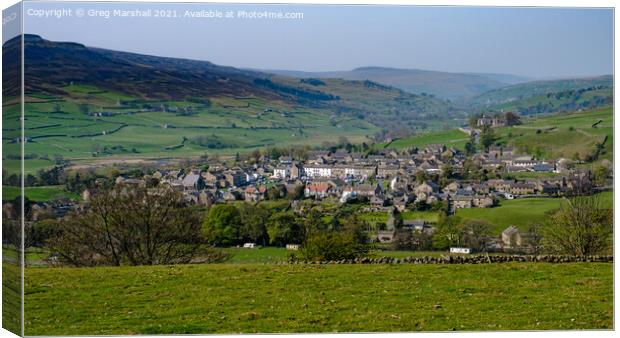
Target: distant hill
50,66
452,86
548,96
125,104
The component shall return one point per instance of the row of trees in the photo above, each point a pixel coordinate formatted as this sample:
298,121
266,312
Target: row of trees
227,224
141,226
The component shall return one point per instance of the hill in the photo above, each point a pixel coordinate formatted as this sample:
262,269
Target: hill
446,85
585,135
548,96
83,101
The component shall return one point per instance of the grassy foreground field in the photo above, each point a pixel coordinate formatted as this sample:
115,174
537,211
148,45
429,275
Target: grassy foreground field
225,298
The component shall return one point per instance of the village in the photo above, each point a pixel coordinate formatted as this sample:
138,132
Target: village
436,177
384,181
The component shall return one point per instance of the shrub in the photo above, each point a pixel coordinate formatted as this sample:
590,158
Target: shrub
332,245
347,241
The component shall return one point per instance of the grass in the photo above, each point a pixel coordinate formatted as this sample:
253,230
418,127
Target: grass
250,298
520,212
566,135
38,194
30,166
451,138
60,128
11,295
257,255
563,135
376,217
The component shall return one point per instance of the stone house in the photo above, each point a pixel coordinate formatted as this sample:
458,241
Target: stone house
255,194
462,202
522,188
511,237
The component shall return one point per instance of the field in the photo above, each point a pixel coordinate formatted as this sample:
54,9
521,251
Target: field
11,293
451,138
570,135
246,298
374,218
30,166
520,212
89,123
252,256
38,194
573,135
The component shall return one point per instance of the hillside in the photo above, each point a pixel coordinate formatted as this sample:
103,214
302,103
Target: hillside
446,85
586,135
150,77
83,102
548,96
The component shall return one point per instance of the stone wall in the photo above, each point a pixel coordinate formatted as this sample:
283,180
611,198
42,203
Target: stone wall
473,259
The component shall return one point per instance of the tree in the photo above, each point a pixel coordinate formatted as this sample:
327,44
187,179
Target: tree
297,193
420,176
403,240
346,242
84,108
601,172
475,234
12,224
535,237
447,171
487,137
283,228
582,226
512,119
133,226
222,224
276,192
472,170
253,222
470,148
256,155
449,232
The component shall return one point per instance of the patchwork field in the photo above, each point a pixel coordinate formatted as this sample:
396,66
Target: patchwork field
249,298
96,123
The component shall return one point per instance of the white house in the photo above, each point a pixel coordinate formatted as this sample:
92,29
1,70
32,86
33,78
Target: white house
318,171
282,172
456,250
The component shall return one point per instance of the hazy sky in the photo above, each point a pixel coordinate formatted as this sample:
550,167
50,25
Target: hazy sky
535,42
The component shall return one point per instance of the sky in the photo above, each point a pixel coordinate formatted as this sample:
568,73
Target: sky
532,42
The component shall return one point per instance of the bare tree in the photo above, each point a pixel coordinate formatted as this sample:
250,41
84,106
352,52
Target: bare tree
134,226
582,226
